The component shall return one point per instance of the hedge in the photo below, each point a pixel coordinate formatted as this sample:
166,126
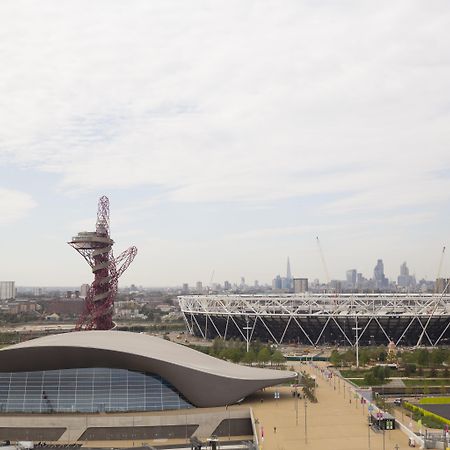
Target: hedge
426,413
435,401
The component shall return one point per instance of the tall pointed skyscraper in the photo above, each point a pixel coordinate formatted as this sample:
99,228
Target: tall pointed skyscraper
288,280
288,270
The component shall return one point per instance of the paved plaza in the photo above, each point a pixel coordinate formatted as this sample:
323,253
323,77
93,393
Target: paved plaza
332,423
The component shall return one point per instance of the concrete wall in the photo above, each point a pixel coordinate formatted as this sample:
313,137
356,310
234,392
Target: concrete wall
201,423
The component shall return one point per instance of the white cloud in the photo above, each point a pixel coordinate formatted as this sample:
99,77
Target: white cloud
355,225
231,101
14,205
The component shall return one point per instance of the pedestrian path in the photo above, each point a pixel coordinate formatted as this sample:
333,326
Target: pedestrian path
336,422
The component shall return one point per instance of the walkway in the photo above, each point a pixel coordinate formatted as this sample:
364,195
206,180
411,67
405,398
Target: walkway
332,423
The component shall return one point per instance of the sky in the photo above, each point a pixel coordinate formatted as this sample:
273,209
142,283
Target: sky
227,136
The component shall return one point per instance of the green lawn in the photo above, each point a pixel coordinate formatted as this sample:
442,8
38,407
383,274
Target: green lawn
358,381
349,373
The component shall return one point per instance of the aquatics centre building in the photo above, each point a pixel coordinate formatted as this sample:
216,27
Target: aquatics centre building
321,319
91,372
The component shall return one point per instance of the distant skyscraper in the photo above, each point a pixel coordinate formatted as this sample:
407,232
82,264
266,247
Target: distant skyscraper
227,285
378,275
442,286
7,290
242,281
84,290
185,288
405,279
404,271
288,270
351,276
199,287
287,282
277,283
300,285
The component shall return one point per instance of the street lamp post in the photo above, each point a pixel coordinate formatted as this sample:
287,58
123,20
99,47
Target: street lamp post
296,406
306,427
356,328
229,424
247,328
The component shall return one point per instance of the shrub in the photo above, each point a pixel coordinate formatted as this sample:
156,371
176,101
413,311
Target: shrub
410,368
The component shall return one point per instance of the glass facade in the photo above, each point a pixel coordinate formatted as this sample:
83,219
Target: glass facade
87,390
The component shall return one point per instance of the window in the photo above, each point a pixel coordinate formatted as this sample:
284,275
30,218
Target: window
87,390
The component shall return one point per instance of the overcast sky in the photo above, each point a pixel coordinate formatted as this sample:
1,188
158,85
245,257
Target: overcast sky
227,135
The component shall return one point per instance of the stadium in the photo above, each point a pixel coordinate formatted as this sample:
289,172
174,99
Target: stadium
135,385
321,319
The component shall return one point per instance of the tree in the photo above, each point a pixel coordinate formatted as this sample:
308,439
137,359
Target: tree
335,358
423,357
377,375
249,357
410,368
370,380
381,373
364,357
437,356
218,346
264,355
349,357
277,358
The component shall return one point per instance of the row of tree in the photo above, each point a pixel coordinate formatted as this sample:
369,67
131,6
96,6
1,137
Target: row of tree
236,351
366,355
421,357
377,376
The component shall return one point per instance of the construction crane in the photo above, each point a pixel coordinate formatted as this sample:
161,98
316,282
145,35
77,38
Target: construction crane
438,299
441,263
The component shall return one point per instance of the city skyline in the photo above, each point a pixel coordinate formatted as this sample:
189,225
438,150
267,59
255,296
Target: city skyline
226,135
351,277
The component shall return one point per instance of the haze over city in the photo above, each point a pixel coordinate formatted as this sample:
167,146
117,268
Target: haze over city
227,135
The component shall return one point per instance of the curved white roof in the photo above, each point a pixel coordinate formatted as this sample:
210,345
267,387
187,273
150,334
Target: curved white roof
203,380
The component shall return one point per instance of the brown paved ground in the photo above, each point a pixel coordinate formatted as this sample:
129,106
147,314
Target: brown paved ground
332,423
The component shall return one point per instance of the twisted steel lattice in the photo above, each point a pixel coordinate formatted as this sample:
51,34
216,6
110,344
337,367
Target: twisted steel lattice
96,249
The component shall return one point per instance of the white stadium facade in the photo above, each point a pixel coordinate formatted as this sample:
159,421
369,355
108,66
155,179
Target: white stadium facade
321,319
